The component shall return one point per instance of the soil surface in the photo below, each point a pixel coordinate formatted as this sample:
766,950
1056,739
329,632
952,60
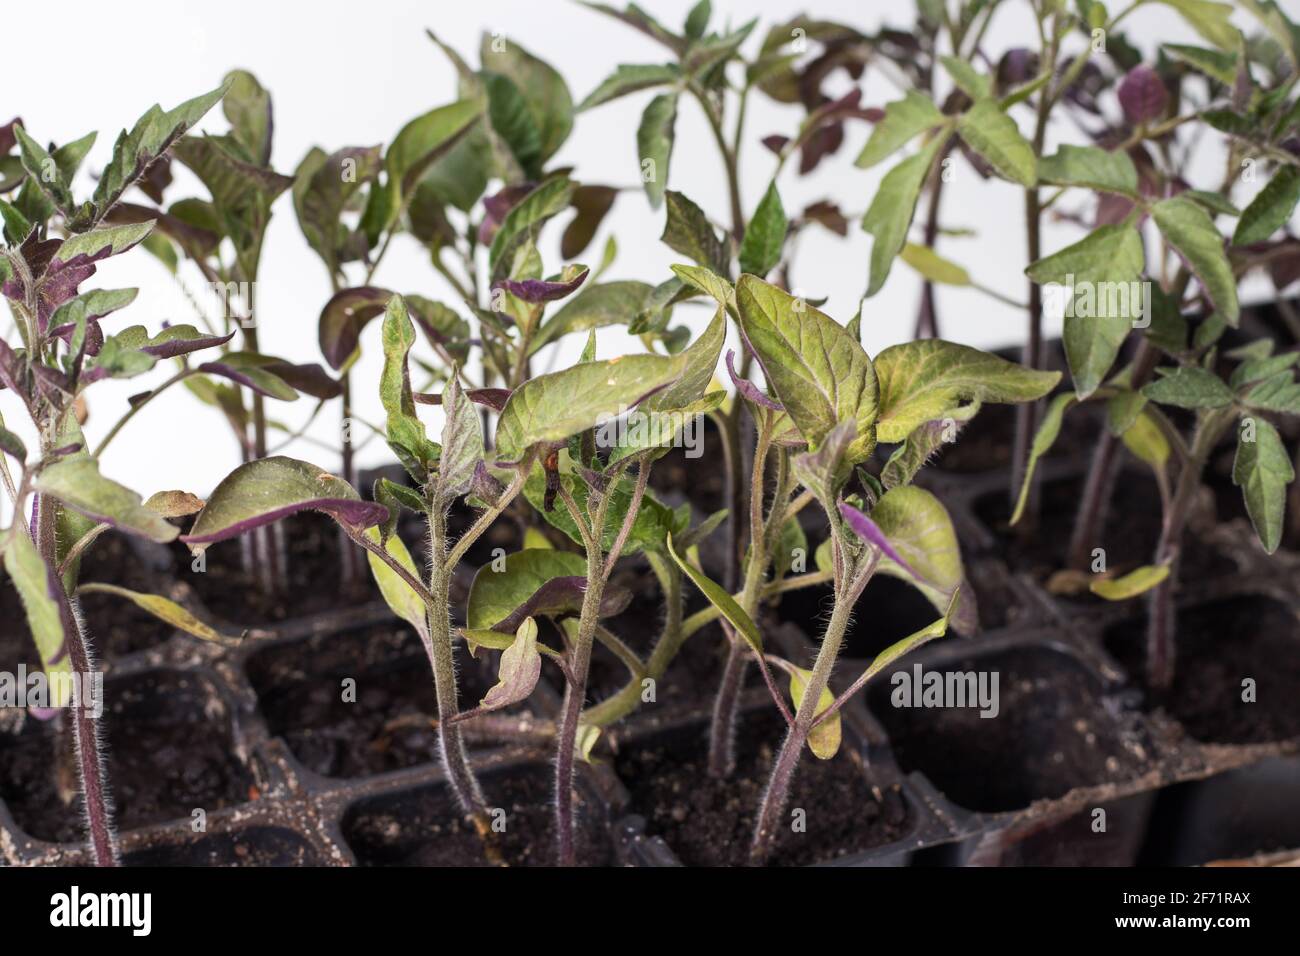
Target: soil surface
251,846
710,823
423,827
1217,646
169,752
389,725
1052,733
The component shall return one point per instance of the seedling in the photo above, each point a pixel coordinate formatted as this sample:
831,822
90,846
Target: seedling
52,245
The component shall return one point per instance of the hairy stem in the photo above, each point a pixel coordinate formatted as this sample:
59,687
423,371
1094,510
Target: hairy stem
726,706
90,759
454,757
778,788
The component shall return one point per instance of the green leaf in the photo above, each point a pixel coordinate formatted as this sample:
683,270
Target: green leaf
819,372
1191,231
1147,442
723,601
1212,20
525,220
462,441
630,78
697,21
247,106
44,172
970,81
707,281
535,582
1095,270
165,610
688,231
544,90
1130,585
760,250
920,381
400,596
597,306
1263,469
924,442
153,134
46,606
404,430
917,525
904,120
910,643
75,480
890,214
1091,168
701,361
1271,209
1213,63
103,241
996,138
551,407
933,266
654,145
824,738
260,492
419,143
1048,431
1189,387
1122,410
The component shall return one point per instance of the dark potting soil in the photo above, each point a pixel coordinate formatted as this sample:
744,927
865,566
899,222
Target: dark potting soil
236,594
1218,646
423,827
710,823
700,479
249,846
388,726
169,752
115,625
1130,536
1052,733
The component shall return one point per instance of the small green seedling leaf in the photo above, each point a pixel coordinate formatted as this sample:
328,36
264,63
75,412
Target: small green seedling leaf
1130,585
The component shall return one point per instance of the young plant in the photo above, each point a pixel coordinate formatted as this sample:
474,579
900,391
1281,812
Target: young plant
61,502
1110,290
222,236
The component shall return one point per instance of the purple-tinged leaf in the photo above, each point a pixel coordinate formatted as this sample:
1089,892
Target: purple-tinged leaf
1143,96
748,389
535,291
343,318
307,378
520,668
484,487
870,532
251,375
261,492
536,582
497,206
493,398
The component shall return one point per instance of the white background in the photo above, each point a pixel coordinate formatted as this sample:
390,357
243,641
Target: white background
348,73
